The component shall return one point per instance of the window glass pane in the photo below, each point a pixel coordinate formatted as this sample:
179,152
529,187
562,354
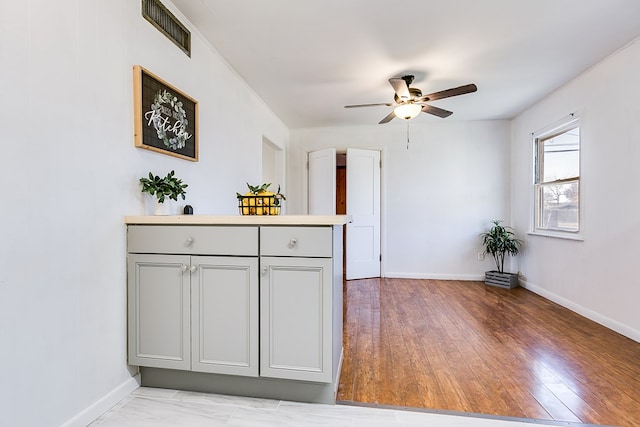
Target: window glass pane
561,156
557,180
559,206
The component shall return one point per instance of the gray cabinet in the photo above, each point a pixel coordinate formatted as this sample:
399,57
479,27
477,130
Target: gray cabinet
259,301
193,312
224,315
295,327
159,311
297,303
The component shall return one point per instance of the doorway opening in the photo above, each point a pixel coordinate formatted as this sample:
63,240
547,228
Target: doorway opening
349,183
273,165
341,183
341,202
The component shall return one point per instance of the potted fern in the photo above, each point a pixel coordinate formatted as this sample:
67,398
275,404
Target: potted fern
500,241
168,187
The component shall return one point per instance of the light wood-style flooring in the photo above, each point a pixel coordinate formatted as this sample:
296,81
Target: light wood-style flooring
464,346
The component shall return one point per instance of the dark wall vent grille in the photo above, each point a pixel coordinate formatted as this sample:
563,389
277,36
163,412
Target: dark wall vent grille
155,12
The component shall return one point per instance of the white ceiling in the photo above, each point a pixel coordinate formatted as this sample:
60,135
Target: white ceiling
308,58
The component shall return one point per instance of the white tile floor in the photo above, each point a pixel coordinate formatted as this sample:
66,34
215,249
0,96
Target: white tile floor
148,407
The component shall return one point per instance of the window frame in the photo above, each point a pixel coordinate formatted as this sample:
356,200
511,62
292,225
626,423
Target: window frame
571,122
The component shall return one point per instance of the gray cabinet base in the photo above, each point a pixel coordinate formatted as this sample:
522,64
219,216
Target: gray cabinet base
267,388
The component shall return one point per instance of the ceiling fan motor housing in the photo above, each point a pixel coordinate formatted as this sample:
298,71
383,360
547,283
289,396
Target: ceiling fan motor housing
413,92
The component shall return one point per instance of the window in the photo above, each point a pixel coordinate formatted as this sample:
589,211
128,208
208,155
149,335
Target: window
557,180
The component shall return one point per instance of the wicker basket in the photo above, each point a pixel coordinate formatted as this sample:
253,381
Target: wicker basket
260,205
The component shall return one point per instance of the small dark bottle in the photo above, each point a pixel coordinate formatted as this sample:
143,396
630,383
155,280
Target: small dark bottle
188,210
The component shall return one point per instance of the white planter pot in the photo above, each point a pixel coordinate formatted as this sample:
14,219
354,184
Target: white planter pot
163,208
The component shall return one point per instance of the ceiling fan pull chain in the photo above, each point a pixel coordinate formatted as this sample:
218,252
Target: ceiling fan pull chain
407,134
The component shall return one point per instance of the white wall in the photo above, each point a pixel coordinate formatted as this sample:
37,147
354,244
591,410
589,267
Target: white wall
597,277
69,173
438,195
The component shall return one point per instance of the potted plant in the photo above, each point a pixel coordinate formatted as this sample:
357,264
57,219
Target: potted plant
260,201
500,241
162,188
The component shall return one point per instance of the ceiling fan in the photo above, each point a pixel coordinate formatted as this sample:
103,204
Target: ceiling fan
409,101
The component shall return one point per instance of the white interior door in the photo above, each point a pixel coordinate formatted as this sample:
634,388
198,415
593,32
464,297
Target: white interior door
363,204
322,182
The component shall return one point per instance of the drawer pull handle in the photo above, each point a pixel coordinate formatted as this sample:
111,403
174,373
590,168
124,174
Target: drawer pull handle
293,242
189,242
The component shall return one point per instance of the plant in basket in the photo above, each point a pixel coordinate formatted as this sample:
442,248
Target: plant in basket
260,201
500,241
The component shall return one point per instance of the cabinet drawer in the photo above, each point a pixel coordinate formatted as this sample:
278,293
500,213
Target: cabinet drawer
296,241
198,240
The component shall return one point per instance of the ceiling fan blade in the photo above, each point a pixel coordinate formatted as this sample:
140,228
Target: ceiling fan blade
387,118
401,88
388,104
430,109
461,90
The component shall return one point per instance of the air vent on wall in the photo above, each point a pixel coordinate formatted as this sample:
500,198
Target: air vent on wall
155,12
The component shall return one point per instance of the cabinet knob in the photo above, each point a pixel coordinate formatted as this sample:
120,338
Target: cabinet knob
189,241
184,268
293,242
264,270
193,268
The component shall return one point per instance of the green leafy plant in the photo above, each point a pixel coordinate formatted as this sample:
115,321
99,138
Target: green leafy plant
499,241
169,186
262,190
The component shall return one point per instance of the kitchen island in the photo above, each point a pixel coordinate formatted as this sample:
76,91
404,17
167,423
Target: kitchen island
245,305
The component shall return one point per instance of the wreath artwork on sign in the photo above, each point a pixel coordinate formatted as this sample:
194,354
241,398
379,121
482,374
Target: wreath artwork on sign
159,116
165,118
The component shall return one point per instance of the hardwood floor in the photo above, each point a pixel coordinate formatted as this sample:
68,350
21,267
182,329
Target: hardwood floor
465,346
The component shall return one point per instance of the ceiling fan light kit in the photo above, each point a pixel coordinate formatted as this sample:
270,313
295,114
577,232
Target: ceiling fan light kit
407,111
409,101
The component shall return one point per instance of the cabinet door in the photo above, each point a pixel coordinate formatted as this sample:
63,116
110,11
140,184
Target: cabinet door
159,311
225,315
296,318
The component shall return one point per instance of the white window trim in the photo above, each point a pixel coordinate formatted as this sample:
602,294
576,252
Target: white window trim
557,127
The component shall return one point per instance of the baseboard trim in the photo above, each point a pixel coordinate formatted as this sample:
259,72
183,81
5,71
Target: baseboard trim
614,325
433,276
102,405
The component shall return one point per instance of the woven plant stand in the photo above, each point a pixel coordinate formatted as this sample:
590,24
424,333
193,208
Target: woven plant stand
501,280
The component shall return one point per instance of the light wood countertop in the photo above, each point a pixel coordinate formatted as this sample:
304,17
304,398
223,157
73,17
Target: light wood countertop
238,219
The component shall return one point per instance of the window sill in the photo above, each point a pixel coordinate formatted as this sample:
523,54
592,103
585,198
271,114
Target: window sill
558,235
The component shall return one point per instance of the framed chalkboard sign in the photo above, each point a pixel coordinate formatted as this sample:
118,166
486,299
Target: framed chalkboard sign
165,119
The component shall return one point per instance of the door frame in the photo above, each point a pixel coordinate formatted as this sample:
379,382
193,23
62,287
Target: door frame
279,166
383,194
